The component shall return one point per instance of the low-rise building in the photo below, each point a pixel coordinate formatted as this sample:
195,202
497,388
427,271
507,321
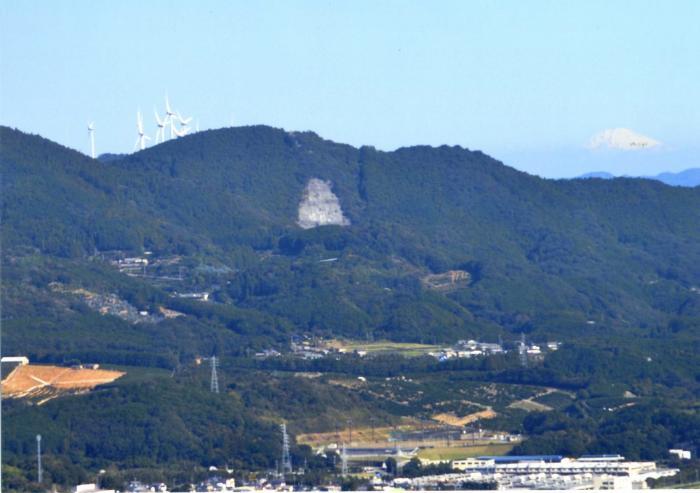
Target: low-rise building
555,471
681,454
90,488
18,360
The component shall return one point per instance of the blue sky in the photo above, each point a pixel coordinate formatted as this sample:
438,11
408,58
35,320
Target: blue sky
528,82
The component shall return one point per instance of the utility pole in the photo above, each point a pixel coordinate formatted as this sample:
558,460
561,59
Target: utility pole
350,431
39,470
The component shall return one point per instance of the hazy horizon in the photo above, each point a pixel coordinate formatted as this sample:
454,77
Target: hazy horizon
529,84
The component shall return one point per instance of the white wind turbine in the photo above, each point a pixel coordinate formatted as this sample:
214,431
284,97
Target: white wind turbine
160,134
182,132
183,123
91,132
170,116
142,138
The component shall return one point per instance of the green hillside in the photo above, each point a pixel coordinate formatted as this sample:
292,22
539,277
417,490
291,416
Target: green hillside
611,268
544,255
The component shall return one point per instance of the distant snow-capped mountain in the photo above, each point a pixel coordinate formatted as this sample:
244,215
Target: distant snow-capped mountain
621,138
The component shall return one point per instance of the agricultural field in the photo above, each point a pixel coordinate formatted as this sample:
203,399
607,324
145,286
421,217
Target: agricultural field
454,453
430,395
407,349
556,400
365,436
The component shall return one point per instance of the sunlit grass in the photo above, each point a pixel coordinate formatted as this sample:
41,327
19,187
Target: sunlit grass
452,453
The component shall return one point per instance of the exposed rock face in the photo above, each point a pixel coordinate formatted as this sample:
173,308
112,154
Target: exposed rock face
319,206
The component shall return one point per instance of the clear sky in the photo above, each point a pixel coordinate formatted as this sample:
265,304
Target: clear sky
528,82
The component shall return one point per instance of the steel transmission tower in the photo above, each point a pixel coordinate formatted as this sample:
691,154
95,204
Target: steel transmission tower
214,387
344,462
522,350
286,457
39,470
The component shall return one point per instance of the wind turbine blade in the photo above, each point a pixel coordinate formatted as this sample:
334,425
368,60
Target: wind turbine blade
184,121
138,143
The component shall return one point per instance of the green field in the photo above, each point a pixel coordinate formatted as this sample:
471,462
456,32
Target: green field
403,348
452,453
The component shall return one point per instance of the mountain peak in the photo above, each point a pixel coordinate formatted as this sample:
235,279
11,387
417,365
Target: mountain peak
621,138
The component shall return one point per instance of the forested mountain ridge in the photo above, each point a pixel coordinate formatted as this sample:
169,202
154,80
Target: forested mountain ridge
536,248
611,268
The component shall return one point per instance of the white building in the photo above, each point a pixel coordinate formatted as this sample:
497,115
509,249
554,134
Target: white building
90,488
20,360
555,472
682,454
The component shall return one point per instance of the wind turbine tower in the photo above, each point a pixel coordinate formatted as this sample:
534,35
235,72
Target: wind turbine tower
160,134
142,138
91,131
170,116
286,457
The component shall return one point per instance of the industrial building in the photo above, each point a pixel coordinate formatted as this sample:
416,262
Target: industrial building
545,472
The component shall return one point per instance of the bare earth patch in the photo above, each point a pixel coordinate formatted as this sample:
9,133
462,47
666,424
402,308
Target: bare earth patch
46,382
451,419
